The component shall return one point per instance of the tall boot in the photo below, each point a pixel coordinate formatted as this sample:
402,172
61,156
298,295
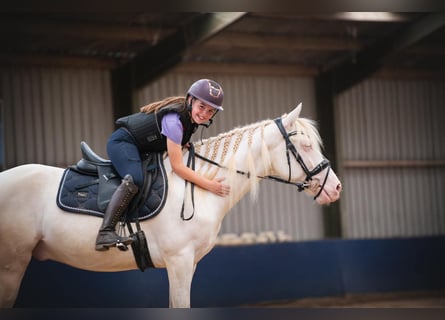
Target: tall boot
107,236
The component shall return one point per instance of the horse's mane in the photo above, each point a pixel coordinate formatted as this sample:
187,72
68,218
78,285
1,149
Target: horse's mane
217,148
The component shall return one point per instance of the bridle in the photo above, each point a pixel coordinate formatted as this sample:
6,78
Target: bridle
309,173
290,149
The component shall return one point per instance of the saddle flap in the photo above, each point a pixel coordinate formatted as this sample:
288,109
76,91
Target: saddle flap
90,192
109,180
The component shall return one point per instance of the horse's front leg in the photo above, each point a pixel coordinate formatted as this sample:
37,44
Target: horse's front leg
180,270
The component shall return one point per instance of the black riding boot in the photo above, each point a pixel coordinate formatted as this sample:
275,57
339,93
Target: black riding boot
107,237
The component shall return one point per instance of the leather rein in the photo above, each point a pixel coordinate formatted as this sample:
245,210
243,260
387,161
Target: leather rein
290,149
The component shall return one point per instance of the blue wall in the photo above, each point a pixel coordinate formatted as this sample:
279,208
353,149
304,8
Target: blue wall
233,276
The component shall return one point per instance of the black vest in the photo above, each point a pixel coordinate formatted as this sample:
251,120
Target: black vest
146,127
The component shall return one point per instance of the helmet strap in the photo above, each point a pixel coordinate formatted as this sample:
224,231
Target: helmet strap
202,129
207,124
189,104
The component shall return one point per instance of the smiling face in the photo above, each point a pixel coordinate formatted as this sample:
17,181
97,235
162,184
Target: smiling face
201,112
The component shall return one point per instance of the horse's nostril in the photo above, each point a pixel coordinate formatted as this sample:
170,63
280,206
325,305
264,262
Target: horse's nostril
339,187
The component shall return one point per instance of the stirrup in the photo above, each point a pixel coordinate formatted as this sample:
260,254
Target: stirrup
121,246
121,233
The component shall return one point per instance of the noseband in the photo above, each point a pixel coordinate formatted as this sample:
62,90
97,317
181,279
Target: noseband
290,148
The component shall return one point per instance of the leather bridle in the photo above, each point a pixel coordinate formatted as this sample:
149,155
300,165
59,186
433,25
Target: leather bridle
290,149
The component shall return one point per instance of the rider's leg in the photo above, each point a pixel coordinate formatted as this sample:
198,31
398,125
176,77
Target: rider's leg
107,236
125,157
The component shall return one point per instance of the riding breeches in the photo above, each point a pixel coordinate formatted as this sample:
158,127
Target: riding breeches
125,156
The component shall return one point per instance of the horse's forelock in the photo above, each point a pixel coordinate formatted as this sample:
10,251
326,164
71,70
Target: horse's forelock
309,127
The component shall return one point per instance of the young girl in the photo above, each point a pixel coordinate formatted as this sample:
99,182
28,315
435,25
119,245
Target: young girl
165,125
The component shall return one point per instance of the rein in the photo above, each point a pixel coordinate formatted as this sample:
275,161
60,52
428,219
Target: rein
190,164
290,148
300,185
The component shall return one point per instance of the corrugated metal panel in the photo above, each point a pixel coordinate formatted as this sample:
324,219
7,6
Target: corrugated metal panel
48,111
247,100
389,120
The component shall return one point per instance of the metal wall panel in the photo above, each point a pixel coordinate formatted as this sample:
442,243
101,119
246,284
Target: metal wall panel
399,124
247,100
48,111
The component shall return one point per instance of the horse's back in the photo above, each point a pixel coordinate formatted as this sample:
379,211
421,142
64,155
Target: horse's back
27,171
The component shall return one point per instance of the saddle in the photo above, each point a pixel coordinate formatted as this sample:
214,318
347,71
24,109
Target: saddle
87,187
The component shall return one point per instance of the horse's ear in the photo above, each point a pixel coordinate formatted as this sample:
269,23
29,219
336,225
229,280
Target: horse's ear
289,120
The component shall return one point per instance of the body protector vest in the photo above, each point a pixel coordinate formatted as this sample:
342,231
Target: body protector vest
146,127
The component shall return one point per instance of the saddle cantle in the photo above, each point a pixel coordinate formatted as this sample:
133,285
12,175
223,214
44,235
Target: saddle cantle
90,161
87,187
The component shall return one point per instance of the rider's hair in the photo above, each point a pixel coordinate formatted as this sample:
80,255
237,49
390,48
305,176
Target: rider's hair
157,105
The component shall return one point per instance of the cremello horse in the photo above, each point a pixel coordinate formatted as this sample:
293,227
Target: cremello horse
32,225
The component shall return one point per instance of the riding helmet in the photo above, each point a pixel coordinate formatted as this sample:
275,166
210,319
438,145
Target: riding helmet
208,91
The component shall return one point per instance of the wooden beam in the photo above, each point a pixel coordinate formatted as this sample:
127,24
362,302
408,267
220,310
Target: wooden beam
69,61
18,26
166,54
370,59
269,69
410,73
337,16
247,68
393,164
287,42
291,42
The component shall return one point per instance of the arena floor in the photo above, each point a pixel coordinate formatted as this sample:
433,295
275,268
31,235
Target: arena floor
381,300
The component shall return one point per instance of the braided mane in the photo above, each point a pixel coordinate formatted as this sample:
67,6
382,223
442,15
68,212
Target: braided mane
223,148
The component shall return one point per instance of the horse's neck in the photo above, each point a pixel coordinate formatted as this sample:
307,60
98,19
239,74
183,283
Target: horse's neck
241,152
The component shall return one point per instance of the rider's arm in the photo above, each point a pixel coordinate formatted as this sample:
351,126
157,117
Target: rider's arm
176,160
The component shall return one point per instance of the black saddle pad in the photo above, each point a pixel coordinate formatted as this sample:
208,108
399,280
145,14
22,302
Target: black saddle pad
79,192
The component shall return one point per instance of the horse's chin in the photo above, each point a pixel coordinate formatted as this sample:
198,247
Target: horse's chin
323,202
325,198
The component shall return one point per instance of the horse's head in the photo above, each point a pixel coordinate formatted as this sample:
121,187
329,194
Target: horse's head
297,158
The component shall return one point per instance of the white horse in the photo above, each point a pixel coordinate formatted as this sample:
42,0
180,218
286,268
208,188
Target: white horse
32,225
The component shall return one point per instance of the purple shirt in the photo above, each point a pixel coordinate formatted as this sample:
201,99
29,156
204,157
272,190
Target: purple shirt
172,127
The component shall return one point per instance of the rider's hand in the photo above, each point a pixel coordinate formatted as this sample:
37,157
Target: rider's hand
219,188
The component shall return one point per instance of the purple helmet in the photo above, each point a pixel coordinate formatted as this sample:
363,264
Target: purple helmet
209,92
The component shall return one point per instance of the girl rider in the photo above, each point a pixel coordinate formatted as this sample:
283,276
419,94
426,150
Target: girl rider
165,125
